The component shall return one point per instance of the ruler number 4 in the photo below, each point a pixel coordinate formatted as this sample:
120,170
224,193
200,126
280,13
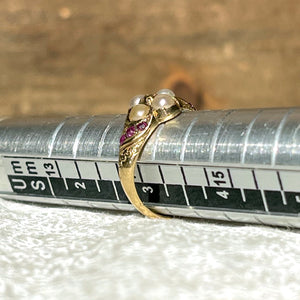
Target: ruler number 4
223,194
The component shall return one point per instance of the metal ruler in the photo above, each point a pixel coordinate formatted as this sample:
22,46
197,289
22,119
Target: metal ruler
239,165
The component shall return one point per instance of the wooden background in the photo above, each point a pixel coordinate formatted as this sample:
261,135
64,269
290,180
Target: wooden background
91,57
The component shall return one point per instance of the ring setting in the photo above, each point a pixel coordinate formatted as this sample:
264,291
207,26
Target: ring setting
145,114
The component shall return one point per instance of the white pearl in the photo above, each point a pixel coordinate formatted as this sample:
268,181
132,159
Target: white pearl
163,101
166,92
139,112
136,100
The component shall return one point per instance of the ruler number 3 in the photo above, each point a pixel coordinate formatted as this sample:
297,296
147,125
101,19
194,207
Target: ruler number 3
147,189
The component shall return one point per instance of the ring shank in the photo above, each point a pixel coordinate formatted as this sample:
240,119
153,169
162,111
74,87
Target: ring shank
127,180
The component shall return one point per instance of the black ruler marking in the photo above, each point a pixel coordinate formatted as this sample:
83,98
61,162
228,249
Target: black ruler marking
279,180
161,174
183,175
77,168
163,180
183,187
230,178
140,173
37,186
117,167
59,173
255,180
282,190
105,190
206,176
84,189
98,171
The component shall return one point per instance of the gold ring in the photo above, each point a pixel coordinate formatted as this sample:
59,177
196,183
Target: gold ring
145,114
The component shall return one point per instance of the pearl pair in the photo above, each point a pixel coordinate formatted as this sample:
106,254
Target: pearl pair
163,99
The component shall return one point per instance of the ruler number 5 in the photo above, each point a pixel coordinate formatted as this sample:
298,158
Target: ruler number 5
147,189
223,194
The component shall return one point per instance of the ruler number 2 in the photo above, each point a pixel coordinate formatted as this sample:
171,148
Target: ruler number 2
80,185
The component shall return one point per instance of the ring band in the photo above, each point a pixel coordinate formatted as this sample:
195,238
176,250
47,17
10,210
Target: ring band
145,114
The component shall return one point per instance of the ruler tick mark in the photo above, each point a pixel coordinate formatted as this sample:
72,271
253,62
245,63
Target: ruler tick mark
58,169
255,180
206,176
264,200
51,188
77,169
163,180
116,192
65,182
140,173
166,190
161,174
230,178
185,196
282,190
98,171
243,195
183,175
204,192
197,214
230,219
283,198
115,207
97,185
279,180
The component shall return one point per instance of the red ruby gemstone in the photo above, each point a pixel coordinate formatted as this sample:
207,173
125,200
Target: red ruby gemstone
142,126
122,139
130,131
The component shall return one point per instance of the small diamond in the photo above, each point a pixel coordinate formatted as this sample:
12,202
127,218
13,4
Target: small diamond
130,131
142,126
122,139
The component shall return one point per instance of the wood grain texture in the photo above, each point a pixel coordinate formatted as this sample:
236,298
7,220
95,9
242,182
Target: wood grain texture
91,57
